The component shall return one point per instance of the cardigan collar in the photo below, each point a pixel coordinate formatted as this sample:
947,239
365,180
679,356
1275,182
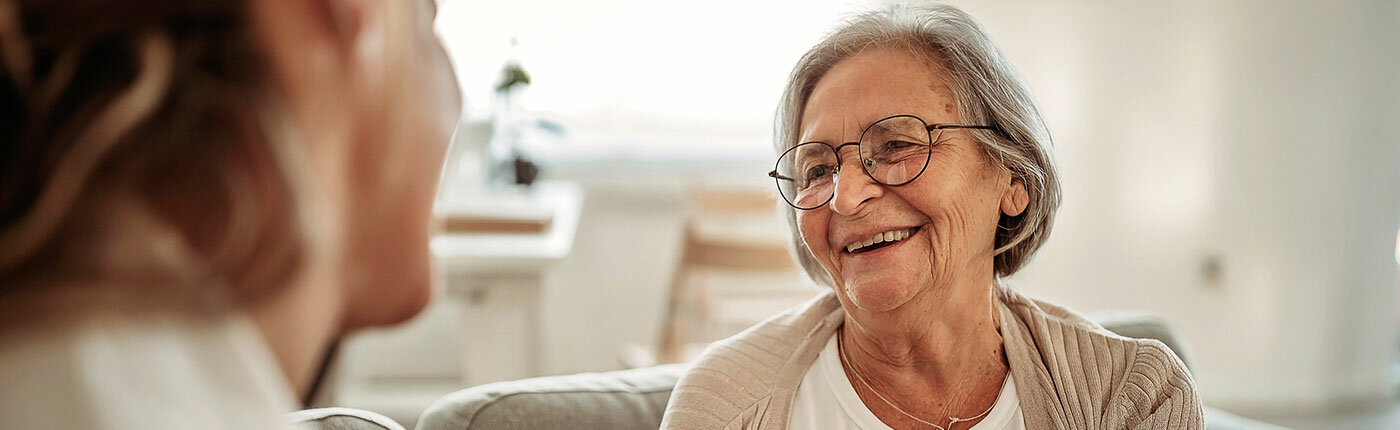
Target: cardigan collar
1033,385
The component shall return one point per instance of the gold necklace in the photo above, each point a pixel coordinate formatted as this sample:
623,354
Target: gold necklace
841,348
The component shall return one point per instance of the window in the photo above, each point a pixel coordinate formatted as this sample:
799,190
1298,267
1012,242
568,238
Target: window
640,73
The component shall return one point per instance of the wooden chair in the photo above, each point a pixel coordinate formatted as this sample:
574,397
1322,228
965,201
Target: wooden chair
734,271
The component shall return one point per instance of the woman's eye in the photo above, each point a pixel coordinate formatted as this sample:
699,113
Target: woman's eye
897,144
817,172
896,149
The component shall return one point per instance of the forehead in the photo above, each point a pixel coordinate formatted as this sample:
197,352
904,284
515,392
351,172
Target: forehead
871,85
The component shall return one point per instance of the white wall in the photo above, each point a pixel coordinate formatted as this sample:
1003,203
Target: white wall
1255,133
611,292
1258,134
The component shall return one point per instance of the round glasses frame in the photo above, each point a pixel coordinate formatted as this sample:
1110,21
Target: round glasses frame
778,178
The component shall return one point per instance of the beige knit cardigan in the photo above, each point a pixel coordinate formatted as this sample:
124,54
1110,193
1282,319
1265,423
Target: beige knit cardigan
1070,373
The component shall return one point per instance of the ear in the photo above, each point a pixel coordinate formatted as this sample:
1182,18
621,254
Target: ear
308,44
335,23
1015,198
310,52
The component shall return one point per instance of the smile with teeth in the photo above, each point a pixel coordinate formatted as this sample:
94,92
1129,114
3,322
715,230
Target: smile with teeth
880,240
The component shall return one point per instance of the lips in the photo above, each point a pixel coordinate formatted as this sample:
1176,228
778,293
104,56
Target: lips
880,240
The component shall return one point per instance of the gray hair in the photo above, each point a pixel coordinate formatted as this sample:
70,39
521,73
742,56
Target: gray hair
988,91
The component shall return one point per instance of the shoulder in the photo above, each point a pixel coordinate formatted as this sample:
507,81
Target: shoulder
1025,307
738,376
1055,333
1134,379
194,370
1158,390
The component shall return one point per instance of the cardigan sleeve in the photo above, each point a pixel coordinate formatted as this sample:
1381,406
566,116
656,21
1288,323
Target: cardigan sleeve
1158,393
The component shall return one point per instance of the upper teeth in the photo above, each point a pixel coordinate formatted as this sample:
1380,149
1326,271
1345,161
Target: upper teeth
889,236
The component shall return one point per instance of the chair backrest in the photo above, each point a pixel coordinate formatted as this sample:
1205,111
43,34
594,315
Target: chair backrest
734,270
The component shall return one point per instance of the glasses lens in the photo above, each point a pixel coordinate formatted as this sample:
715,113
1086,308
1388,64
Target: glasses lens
806,174
895,150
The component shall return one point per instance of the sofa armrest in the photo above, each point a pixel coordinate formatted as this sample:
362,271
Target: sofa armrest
625,399
341,419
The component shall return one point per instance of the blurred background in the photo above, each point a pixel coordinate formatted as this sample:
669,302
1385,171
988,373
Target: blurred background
1232,167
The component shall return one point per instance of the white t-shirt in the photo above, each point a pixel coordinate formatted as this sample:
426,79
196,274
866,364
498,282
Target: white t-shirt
111,364
827,400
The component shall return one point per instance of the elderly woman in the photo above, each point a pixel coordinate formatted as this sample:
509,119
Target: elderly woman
918,173
199,197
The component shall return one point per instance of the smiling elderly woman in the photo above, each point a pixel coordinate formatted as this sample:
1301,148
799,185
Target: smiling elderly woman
918,173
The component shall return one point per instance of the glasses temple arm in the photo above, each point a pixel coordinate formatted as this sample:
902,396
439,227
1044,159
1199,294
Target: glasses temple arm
932,127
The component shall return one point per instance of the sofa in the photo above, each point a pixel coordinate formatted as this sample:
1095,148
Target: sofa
636,398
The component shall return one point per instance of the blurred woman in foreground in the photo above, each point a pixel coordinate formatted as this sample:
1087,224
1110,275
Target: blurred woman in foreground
199,197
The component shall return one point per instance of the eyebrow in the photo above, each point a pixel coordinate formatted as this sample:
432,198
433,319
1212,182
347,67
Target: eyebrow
843,129
808,151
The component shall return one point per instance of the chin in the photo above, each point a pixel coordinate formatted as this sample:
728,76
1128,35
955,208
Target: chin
398,290
880,296
398,302
414,299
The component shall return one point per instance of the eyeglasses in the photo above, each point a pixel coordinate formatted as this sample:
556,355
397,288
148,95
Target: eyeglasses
894,151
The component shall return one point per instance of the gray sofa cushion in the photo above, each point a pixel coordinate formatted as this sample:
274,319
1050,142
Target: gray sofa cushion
341,419
624,399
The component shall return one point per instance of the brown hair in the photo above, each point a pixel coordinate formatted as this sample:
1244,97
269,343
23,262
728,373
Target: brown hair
162,101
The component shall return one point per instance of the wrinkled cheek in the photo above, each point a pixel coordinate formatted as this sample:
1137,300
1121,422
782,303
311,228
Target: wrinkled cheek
813,230
941,241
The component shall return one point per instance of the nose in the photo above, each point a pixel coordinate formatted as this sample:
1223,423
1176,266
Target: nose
853,186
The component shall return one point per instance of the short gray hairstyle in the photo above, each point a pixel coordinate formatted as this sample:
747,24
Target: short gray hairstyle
988,91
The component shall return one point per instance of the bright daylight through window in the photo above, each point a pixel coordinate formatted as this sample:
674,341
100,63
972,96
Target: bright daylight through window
635,75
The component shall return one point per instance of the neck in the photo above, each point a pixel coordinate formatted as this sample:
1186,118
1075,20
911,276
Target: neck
300,321
943,344
299,324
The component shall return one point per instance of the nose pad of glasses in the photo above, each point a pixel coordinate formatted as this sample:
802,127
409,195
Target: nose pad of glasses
836,173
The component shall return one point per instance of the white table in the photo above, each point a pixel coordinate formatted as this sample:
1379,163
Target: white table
497,277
